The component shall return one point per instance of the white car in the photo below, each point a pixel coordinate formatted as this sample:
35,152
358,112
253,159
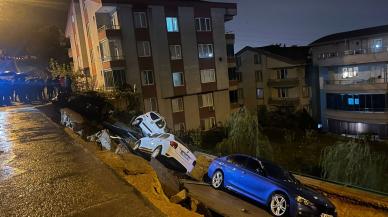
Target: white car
150,123
169,146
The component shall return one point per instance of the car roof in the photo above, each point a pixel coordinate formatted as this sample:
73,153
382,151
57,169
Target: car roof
256,158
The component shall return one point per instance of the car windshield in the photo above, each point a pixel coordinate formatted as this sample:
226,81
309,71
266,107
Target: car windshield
277,172
164,136
154,116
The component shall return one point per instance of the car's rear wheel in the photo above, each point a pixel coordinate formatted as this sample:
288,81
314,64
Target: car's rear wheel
156,152
218,179
279,205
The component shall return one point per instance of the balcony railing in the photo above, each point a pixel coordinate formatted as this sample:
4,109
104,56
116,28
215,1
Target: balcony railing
352,82
329,55
108,27
111,58
283,82
284,101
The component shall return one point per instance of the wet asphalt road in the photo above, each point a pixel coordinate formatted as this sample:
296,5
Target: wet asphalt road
43,173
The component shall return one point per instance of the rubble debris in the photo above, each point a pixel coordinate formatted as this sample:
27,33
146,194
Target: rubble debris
200,169
178,198
103,138
72,120
121,148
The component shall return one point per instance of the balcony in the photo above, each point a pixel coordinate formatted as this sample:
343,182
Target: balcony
356,56
108,31
288,82
284,102
109,62
345,85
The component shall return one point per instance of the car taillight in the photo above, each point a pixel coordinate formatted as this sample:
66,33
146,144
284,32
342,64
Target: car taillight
173,144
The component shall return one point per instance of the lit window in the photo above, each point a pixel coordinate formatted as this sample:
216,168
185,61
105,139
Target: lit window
177,105
115,78
377,43
203,24
205,50
259,93
208,76
148,77
206,100
140,19
143,48
150,104
172,24
177,78
175,52
349,72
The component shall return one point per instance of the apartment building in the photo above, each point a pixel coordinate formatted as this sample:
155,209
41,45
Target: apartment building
174,53
351,79
272,76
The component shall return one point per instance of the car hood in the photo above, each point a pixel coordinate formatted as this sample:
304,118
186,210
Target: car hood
298,189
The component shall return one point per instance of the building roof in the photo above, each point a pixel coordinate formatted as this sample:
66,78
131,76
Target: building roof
352,34
293,54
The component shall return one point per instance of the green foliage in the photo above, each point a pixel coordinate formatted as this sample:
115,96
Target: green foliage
354,163
58,69
289,136
245,136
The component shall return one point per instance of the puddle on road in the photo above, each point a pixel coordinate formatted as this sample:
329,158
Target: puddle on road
6,155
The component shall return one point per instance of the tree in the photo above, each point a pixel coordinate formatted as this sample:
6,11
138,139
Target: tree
245,136
354,163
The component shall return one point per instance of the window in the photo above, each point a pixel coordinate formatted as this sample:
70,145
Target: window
259,76
208,76
236,160
150,104
232,74
203,24
259,93
179,126
230,50
140,19
349,72
377,44
177,105
206,100
233,96
282,92
256,59
253,165
115,78
238,61
177,78
110,50
172,24
282,74
175,52
143,49
306,91
148,77
208,123
205,50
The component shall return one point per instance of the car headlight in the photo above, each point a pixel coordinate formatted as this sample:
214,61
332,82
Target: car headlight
303,201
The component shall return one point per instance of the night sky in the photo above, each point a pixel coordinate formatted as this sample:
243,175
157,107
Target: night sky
258,23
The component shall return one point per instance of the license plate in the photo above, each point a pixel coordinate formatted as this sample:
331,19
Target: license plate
326,215
185,155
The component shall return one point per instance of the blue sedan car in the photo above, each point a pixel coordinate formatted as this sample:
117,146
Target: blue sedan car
270,185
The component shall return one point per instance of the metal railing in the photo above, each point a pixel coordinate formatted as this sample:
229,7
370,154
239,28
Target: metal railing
350,82
111,58
108,27
362,51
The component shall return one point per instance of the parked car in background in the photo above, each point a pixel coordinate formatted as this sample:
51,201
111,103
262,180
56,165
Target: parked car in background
150,123
169,146
270,185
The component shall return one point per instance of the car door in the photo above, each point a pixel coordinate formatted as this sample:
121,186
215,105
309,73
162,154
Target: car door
256,185
232,171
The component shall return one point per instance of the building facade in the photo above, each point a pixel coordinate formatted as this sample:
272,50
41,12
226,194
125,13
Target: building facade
351,79
174,53
273,76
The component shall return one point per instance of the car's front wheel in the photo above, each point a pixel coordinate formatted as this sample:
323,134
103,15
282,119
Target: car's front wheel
217,179
279,205
156,152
